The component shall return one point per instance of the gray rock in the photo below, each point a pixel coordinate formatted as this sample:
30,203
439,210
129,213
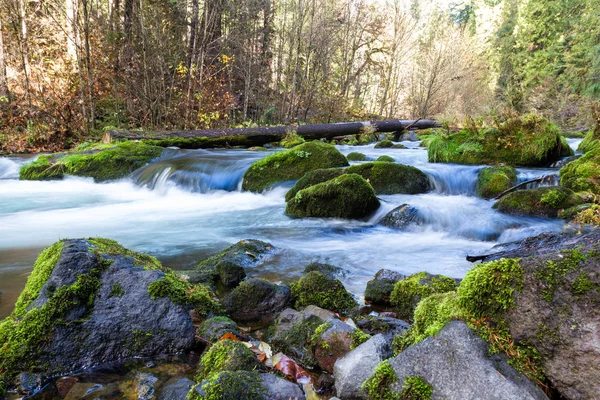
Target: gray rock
214,328
401,217
353,369
177,390
319,312
389,274
457,365
256,298
281,389
334,343
293,335
381,324
330,271
144,385
378,290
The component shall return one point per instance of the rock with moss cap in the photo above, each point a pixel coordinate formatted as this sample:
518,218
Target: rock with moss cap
384,144
539,202
590,142
101,162
454,364
69,316
312,178
227,355
379,290
348,196
492,181
331,271
409,291
356,156
213,329
291,164
256,298
582,174
385,159
317,289
392,178
334,339
293,334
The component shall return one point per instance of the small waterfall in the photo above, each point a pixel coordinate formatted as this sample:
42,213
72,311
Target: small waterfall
9,169
197,171
453,179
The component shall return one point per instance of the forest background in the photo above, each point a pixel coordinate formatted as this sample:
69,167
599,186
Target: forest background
70,69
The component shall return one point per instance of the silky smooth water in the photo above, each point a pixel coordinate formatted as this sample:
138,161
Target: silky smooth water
189,205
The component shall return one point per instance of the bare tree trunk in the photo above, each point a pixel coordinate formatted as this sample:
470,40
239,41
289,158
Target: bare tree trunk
3,80
71,30
88,64
193,32
25,50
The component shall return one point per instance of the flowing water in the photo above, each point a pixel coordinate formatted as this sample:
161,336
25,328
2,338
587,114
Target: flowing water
188,205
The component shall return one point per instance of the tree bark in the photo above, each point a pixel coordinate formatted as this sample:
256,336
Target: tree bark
260,136
3,80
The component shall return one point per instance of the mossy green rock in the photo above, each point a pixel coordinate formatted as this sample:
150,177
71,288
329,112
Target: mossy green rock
409,291
317,289
291,164
356,156
384,144
583,174
391,178
590,142
539,202
331,271
492,181
256,298
347,196
385,159
230,385
293,335
101,162
529,140
312,178
66,319
227,355
213,329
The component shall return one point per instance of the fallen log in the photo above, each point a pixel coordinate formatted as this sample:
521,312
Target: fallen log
248,137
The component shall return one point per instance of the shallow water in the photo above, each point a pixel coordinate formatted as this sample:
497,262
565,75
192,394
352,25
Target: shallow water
189,205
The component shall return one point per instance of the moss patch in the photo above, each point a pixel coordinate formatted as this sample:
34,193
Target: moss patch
291,164
541,202
492,181
116,290
347,196
385,159
227,355
298,340
528,140
391,178
232,385
377,387
583,174
384,144
312,178
416,388
356,156
318,290
100,162
590,142
408,292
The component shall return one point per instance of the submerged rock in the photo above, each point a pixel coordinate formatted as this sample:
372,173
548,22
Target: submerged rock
291,164
401,217
101,162
347,196
81,307
256,298
492,181
392,178
456,364
539,202
353,369
317,289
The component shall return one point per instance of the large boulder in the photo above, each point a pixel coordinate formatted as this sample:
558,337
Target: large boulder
378,290
492,181
528,140
409,291
582,174
401,217
317,289
590,142
293,335
89,302
347,196
312,178
256,298
456,364
538,202
101,162
353,369
291,164
392,178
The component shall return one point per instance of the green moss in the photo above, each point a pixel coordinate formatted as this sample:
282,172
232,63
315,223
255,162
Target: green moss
321,329
232,385
384,144
541,202
590,142
227,355
492,181
347,196
113,248
358,338
102,164
377,387
392,178
182,292
312,178
356,156
291,164
416,388
385,159
298,339
140,339
582,174
409,291
378,291
291,139
116,290
317,289
528,140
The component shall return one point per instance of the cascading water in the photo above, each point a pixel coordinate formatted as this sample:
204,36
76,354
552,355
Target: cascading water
9,169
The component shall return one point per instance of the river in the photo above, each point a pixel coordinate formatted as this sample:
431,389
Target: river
189,205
